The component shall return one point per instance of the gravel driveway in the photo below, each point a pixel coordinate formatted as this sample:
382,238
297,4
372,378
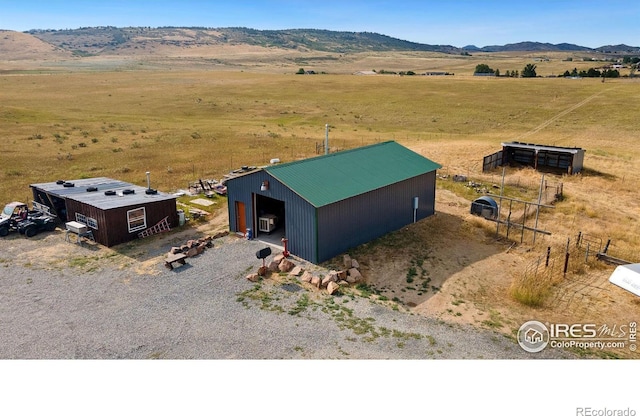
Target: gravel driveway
207,309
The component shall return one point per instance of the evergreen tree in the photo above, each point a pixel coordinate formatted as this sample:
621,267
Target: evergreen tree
529,71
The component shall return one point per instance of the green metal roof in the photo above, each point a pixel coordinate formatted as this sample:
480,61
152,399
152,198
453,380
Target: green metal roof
326,179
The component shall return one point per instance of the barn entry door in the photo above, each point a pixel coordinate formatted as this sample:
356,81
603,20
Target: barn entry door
241,218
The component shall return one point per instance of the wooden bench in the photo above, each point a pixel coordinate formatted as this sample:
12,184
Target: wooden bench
174,258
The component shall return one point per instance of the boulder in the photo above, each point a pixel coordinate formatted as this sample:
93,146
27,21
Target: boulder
315,280
332,288
306,277
353,275
278,257
175,250
192,252
331,277
253,277
286,266
200,248
342,275
273,266
354,264
262,271
295,271
347,260
343,283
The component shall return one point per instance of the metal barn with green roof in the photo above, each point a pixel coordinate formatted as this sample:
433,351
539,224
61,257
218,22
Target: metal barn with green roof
328,204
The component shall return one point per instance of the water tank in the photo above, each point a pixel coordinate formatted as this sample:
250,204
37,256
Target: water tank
485,207
181,219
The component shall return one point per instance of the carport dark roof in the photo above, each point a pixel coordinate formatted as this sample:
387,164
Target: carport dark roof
326,179
548,148
78,192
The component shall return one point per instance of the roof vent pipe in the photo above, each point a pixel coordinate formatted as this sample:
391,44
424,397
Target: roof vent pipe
148,180
326,139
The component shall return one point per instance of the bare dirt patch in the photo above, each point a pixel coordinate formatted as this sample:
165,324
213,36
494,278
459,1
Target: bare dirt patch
452,267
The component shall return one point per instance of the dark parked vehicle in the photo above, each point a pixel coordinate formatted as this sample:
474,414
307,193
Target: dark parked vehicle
16,216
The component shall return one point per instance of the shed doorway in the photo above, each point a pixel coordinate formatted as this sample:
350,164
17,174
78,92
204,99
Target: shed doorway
241,226
269,220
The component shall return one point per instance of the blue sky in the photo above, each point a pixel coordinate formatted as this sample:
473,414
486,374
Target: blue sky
458,22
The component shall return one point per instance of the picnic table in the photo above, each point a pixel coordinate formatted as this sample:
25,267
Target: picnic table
174,258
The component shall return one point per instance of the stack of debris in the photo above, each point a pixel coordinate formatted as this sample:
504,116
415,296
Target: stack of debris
349,274
193,247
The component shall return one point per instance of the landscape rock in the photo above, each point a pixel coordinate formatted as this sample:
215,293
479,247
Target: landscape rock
342,275
315,280
192,252
295,271
306,277
262,271
331,277
253,277
286,266
354,264
273,266
353,275
332,288
278,257
347,260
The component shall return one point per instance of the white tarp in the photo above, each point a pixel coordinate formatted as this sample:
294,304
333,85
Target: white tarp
627,277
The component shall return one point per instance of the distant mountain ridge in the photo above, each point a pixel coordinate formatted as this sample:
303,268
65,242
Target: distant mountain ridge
549,47
109,39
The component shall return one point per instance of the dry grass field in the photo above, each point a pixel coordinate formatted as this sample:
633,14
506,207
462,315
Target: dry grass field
183,121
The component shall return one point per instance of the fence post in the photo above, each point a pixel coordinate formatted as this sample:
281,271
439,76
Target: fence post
586,254
566,258
546,263
579,239
606,247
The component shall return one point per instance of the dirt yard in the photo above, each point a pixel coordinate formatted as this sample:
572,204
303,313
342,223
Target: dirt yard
461,273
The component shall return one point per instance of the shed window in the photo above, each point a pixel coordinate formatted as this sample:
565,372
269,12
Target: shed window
137,219
81,218
92,223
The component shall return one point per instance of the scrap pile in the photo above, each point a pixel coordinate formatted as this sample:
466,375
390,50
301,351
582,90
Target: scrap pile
195,247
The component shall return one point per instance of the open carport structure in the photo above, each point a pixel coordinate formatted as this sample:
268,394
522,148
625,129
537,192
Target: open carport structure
328,204
566,159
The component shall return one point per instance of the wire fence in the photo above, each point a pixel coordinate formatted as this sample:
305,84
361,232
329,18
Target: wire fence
566,270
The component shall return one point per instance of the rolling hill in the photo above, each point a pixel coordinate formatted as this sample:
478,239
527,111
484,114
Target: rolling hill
88,41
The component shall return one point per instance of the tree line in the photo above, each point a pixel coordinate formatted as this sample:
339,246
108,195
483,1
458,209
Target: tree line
529,71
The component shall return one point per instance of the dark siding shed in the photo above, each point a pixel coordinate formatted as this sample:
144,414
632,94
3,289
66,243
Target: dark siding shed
103,203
